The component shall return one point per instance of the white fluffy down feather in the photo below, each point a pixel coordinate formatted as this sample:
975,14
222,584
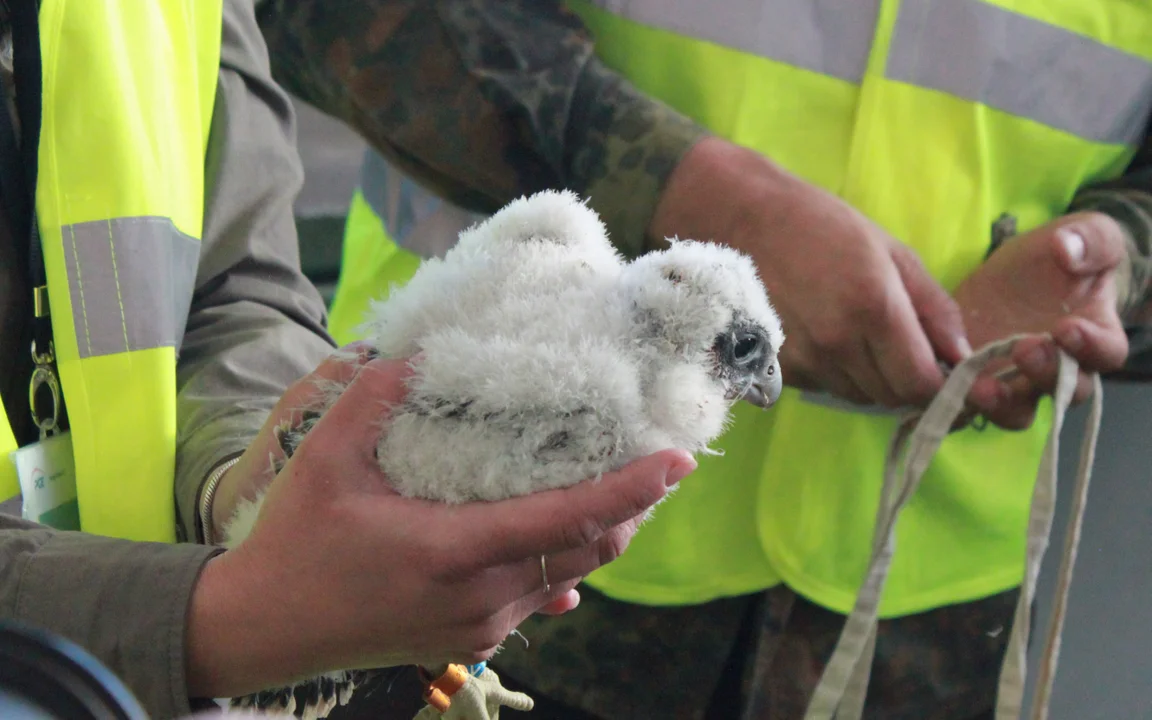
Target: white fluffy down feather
543,358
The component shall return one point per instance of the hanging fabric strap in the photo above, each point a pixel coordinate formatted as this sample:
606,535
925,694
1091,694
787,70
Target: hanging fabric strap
841,692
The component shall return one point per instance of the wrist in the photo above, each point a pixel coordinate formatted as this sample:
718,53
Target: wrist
236,640
720,192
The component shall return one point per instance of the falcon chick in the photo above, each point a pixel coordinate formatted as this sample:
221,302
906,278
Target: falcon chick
546,359
541,358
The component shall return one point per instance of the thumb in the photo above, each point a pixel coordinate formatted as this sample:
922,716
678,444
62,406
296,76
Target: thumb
1088,243
938,313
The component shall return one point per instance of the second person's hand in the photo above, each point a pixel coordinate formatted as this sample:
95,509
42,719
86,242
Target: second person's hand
1057,279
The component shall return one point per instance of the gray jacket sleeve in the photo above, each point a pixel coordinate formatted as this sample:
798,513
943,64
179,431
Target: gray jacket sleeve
256,323
125,602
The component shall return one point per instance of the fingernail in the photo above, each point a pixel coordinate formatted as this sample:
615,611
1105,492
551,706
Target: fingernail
1073,244
1072,339
680,469
965,346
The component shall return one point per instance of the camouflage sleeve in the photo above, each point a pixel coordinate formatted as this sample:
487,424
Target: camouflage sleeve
624,146
482,101
1128,199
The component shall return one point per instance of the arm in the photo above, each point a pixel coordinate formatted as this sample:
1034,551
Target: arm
1128,200
484,100
125,602
256,323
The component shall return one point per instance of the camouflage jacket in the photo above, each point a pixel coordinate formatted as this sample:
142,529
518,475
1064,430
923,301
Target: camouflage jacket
486,100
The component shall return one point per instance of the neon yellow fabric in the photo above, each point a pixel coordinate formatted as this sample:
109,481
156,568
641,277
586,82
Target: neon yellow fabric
9,481
370,264
795,497
128,94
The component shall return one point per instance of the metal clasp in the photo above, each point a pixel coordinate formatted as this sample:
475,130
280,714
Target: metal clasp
44,376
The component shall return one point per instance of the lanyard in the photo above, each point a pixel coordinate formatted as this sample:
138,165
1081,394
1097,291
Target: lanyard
843,685
18,176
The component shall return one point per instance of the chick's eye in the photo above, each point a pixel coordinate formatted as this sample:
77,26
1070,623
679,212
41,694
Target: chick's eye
747,349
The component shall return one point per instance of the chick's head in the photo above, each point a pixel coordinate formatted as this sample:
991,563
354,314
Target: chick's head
704,303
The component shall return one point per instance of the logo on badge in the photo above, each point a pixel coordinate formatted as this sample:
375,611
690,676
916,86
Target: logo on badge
40,478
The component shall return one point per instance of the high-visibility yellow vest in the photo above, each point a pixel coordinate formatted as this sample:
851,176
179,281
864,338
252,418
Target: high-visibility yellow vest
128,94
932,117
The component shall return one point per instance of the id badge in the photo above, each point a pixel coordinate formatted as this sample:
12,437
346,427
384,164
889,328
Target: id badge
47,475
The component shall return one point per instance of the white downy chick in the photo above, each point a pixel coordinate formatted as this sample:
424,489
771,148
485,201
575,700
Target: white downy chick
545,359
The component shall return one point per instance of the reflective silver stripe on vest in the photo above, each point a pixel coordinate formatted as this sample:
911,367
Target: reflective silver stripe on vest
831,37
131,281
416,219
1022,66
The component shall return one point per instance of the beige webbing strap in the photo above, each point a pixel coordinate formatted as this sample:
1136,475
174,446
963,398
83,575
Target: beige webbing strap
841,692
1010,697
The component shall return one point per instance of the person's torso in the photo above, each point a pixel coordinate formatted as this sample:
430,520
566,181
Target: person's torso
932,117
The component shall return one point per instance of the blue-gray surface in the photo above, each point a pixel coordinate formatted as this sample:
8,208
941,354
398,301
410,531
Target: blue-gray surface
1105,670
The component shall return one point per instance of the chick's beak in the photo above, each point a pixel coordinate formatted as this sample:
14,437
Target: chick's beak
766,391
